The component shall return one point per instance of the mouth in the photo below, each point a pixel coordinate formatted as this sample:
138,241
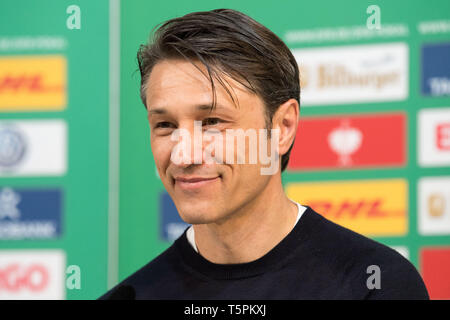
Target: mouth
192,183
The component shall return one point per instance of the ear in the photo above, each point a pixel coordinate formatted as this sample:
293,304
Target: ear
286,119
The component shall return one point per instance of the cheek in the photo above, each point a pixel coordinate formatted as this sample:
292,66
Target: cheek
246,178
161,150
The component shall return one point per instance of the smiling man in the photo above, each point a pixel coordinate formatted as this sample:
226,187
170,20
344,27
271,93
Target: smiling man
210,82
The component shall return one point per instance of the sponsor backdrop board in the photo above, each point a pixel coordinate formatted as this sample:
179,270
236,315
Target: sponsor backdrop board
373,147
54,144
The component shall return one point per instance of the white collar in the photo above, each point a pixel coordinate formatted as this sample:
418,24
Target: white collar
191,237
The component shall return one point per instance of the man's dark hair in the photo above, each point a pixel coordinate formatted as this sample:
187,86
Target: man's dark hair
228,42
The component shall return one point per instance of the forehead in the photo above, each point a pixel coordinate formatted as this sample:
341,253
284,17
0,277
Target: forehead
179,82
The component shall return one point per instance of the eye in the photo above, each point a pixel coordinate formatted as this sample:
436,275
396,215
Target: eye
211,121
163,125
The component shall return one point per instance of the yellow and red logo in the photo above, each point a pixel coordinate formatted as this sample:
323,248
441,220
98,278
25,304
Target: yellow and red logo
369,207
33,83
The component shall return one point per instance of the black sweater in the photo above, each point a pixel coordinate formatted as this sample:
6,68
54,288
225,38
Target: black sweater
316,260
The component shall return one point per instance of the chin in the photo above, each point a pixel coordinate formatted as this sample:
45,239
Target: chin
196,218
197,213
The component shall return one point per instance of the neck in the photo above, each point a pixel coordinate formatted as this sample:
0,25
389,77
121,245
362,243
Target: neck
250,233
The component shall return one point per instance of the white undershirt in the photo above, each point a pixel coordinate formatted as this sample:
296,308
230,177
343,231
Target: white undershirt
190,232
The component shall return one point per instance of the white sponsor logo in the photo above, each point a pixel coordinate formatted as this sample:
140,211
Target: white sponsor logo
33,147
439,86
11,226
175,230
32,274
363,73
345,140
434,26
434,137
8,204
434,206
402,250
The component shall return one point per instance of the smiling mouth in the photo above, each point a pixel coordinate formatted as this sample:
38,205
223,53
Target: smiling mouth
191,183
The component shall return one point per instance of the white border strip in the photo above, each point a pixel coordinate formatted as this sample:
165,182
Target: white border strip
114,136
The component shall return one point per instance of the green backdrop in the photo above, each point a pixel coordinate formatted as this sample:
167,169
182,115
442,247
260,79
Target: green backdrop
84,235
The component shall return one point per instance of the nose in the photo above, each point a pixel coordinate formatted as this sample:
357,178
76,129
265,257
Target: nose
188,148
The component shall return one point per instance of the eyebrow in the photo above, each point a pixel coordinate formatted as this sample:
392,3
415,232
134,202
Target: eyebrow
201,107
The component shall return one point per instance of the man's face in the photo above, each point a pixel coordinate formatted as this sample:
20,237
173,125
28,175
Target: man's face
177,95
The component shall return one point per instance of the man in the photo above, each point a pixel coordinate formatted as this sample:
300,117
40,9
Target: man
206,79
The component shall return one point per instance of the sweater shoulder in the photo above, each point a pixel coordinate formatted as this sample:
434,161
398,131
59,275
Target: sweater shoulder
342,241
152,275
360,260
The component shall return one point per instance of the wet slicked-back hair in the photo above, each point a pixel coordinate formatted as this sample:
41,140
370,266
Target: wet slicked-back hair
227,42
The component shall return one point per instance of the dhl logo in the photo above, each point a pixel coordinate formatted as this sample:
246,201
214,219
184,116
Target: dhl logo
370,207
33,83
